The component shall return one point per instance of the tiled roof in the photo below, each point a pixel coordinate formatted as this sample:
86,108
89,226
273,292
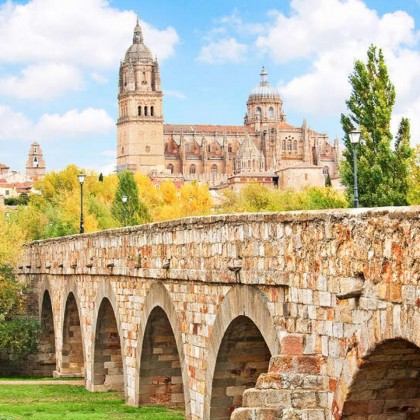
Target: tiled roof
3,166
219,129
198,128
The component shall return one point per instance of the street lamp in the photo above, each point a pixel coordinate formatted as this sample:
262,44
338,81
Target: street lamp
354,139
81,178
124,199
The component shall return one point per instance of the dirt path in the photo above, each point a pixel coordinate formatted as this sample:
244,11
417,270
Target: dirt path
79,382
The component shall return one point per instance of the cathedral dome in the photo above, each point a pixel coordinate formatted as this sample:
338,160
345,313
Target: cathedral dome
138,52
264,90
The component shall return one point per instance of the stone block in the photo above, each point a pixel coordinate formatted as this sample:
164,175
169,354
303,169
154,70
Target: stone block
292,344
257,414
265,398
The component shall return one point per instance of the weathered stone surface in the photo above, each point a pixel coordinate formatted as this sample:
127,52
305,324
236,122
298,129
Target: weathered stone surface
293,292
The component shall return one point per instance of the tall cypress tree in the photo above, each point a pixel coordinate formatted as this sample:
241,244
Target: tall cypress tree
134,211
382,179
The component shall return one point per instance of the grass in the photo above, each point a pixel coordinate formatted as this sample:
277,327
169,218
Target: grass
71,403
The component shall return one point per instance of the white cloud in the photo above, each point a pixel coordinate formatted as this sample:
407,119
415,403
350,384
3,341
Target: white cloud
412,112
72,124
14,125
99,78
106,169
109,153
87,33
68,37
223,51
175,94
42,81
330,35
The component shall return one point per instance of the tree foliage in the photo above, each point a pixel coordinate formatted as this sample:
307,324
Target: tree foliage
18,332
414,178
256,198
134,211
382,171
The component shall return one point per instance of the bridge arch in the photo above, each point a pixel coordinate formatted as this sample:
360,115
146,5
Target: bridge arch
379,371
46,343
159,308
72,357
107,342
239,303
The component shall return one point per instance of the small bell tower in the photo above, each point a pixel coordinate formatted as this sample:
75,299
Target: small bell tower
35,165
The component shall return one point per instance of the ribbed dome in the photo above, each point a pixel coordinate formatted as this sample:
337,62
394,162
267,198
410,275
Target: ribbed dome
264,89
138,52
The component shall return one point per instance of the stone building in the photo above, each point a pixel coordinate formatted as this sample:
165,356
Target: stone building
265,147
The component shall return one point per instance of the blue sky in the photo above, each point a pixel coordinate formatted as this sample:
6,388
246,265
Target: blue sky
59,63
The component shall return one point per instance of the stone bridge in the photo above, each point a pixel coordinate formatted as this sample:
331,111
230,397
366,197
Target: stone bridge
301,315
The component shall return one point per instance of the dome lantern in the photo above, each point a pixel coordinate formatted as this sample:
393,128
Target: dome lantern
264,90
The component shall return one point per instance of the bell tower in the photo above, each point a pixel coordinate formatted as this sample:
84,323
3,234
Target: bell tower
140,142
35,165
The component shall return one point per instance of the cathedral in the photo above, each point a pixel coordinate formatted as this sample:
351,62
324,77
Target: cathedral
265,148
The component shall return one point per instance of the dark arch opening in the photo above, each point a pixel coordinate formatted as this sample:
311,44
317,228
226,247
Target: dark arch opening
243,355
72,362
160,367
152,111
145,111
108,365
46,343
139,111
387,385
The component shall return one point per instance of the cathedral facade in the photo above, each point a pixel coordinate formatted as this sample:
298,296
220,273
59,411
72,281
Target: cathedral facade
265,148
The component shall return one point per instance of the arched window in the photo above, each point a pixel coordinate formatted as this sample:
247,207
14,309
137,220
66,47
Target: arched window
229,148
139,111
192,169
35,162
258,112
295,146
145,111
152,111
35,149
289,144
170,168
214,169
284,144
271,113
325,170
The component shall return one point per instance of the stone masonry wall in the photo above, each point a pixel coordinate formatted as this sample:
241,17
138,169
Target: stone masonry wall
325,290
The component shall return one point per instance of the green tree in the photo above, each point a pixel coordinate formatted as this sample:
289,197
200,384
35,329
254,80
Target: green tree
18,332
328,182
134,211
382,174
414,178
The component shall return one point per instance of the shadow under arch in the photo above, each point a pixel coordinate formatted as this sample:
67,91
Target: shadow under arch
159,300
72,363
375,344
240,301
107,301
46,355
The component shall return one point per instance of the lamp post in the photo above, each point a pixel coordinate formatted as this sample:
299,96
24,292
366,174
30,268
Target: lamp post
124,199
354,139
81,178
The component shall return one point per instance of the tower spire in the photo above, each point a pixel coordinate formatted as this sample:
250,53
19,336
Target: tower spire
138,34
